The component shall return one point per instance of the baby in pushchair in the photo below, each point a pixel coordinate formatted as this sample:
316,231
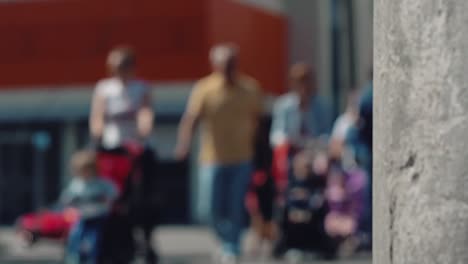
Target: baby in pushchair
302,219
97,213
89,197
85,199
345,199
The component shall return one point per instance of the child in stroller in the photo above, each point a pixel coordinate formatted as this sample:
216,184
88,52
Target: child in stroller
345,198
86,197
302,223
89,197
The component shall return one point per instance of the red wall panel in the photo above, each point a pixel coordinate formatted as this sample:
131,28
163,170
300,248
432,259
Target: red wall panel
261,36
65,42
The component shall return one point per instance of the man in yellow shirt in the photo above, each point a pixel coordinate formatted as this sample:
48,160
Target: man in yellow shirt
227,105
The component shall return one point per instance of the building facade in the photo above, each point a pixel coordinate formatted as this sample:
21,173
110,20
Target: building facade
54,51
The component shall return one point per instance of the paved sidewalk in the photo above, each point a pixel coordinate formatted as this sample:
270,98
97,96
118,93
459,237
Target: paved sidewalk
177,245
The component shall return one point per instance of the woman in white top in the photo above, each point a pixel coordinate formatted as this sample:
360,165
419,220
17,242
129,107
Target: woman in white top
121,106
121,112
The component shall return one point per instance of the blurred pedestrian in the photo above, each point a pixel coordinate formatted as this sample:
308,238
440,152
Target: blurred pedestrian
228,105
121,106
122,115
301,114
341,127
299,117
359,139
260,199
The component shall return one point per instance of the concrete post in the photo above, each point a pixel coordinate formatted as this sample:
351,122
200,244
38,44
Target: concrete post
421,132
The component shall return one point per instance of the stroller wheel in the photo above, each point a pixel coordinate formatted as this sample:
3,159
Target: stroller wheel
27,238
152,257
279,249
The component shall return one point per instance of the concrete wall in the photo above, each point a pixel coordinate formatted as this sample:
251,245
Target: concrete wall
421,128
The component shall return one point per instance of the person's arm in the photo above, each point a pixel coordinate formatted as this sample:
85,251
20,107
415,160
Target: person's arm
257,109
188,123
102,204
278,142
278,135
145,116
68,195
96,118
337,138
327,118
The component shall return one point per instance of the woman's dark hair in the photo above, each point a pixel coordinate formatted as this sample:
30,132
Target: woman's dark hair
121,59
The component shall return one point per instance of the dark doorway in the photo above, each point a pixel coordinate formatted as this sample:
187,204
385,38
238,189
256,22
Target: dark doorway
19,165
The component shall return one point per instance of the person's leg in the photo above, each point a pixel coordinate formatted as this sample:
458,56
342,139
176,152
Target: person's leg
366,219
151,255
92,234
282,243
72,254
266,198
205,192
219,199
240,180
150,205
326,244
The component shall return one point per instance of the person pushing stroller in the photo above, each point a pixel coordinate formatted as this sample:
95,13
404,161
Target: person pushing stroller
122,118
300,117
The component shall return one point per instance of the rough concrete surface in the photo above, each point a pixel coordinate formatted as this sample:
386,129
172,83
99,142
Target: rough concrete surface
421,132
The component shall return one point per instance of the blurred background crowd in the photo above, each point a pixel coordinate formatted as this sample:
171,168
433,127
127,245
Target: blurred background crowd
311,167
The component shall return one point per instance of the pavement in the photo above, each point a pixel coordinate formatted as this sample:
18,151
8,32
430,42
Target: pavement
177,245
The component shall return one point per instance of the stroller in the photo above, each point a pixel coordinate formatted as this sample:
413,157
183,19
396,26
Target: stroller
303,208
127,167
53,224
88,240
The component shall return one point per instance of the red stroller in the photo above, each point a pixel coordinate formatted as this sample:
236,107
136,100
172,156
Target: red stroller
128,168
50,224
55,223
